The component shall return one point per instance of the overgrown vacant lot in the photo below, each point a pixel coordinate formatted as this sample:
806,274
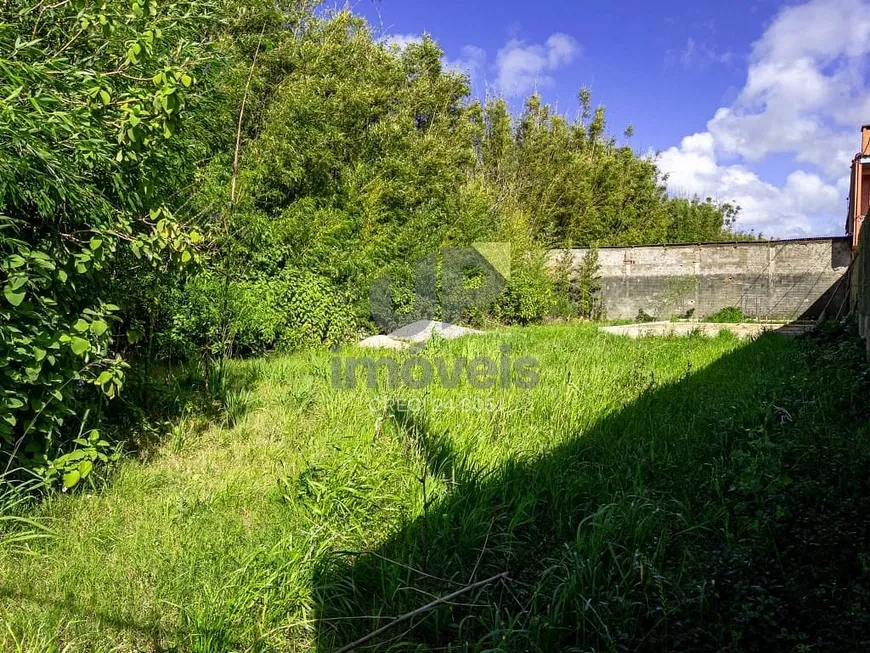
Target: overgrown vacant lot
686,494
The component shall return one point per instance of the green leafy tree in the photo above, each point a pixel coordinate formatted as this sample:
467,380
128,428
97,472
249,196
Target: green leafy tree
355,162
697,221
95,100
203,177
578,185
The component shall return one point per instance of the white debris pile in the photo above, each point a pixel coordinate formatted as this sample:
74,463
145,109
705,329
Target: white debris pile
417,332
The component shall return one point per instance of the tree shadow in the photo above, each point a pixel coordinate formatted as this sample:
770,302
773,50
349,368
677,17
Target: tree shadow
724,511
69,605
162,395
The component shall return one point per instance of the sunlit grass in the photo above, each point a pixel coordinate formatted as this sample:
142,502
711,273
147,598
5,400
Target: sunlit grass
220,540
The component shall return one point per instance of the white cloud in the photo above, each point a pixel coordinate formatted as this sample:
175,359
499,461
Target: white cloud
698,55
805,205
805,96
401,41
471,60
521,67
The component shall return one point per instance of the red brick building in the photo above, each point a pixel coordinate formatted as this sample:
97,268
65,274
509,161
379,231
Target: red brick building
859,193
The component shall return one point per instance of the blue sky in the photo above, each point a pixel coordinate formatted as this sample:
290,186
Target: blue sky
753,101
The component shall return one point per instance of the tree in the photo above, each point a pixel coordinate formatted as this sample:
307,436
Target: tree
579,186
96,96
356,162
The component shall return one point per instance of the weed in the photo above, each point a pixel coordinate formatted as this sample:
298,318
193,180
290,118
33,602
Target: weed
728,315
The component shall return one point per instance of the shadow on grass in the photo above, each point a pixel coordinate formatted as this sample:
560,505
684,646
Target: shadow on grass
726,511
158,397
74,608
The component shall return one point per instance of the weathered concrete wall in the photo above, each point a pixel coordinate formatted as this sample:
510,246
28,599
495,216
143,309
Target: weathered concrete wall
769,280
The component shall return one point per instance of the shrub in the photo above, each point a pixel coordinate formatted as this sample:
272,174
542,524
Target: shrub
577,288
728,315
293,310
529,295
586,289
88,159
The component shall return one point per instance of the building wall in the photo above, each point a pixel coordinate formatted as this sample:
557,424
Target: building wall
774,280
860,286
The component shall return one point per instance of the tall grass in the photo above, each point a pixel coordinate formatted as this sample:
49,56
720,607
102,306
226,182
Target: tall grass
660,494
17,529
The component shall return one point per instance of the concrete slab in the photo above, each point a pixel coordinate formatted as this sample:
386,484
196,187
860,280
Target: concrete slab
710,329
417,333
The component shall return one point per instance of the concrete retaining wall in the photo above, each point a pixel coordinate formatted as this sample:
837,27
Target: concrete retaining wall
768,280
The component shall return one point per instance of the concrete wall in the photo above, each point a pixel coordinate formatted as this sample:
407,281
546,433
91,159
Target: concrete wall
774,280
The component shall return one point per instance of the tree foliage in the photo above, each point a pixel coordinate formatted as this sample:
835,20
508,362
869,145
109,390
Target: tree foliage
354,164
95,95
579,186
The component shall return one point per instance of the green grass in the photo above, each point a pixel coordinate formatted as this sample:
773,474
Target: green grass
658,494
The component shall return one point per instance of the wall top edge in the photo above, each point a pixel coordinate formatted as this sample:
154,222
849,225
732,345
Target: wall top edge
769,243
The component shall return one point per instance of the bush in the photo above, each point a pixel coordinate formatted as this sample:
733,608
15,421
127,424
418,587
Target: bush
577,287
529,295
728,315
88,159
293,310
